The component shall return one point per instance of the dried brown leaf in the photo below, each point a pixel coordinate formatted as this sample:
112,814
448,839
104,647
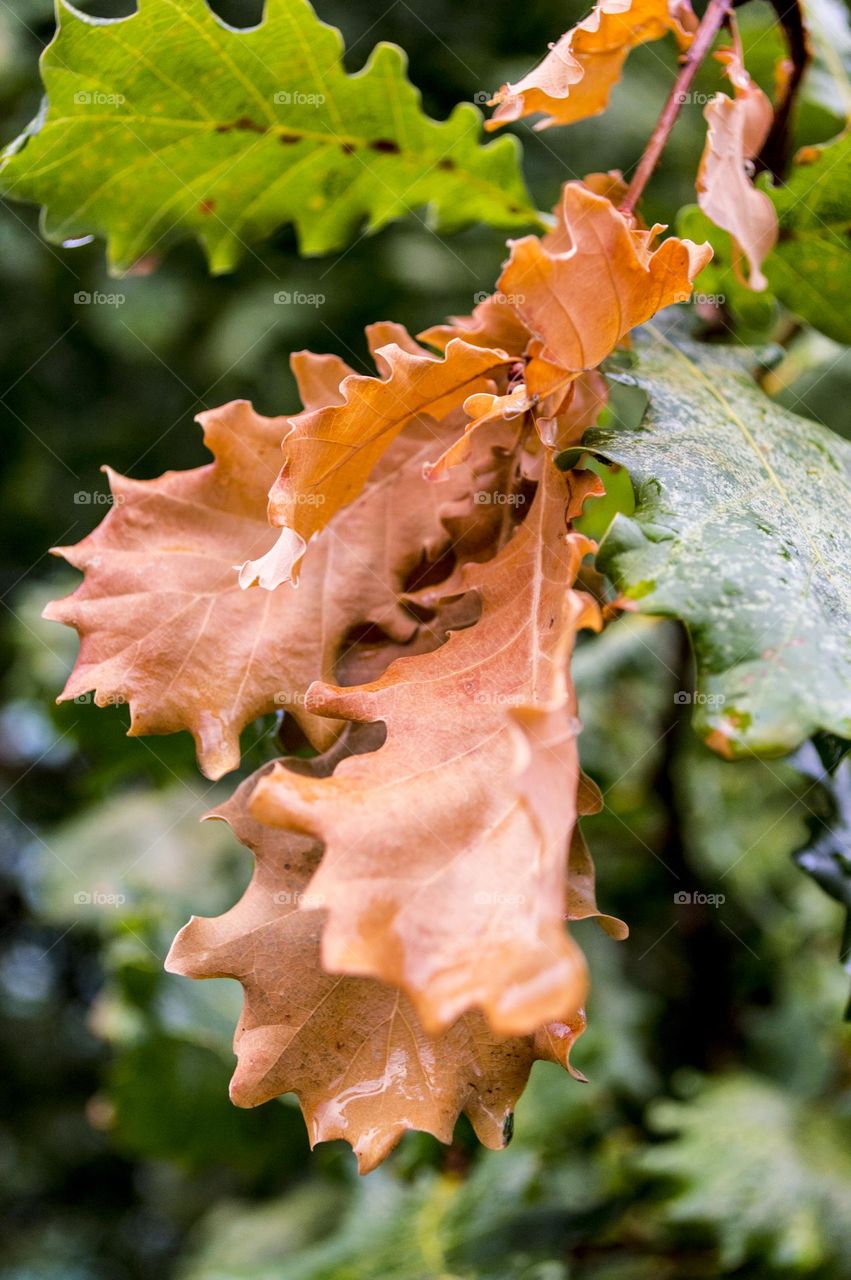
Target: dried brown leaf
352,1050
736,130
575,79
443,871
594,279
163,623
330,452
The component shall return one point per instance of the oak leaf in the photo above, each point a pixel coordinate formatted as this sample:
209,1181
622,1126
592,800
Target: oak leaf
163,624
593,279
575,79
352,1050
484,409
736,129
493,323
330,452
444,864
169,124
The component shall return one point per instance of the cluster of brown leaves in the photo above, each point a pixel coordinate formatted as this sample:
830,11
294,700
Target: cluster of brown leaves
576,78
402,944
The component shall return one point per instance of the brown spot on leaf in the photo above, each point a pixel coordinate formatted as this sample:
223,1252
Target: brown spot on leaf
207,206
287,139
386,145
247,125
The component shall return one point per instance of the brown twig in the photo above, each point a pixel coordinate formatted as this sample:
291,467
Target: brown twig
774,156
710,24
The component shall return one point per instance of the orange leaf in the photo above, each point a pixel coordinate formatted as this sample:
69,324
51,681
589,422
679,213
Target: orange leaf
576,77
737,128
594,279
494,323
483,409
330,452
444,865
352,1050
163,623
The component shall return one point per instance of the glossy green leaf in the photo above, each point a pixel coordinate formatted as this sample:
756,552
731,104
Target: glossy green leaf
169,124
810,269
740,530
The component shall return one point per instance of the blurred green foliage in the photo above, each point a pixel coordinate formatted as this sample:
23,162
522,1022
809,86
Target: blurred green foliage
712,1137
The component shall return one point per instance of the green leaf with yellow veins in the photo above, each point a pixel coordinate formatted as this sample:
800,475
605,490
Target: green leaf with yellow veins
740,530
170,124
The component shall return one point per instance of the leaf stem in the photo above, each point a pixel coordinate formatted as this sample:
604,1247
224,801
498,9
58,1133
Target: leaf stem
711,23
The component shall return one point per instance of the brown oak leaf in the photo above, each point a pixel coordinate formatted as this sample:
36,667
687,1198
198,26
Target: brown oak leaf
736,129
493,323
351,1049
444,864
594,279
330,452
575,79
163,623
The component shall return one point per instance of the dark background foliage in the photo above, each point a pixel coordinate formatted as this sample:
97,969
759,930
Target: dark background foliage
713,1135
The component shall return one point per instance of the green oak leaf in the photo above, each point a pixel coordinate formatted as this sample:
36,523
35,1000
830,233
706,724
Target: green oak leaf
810,268
169,123
740,530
